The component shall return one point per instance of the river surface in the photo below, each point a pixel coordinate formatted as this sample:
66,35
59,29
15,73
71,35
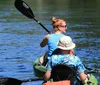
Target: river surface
20,36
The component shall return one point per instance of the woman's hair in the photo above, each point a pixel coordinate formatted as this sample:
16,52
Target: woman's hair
57,22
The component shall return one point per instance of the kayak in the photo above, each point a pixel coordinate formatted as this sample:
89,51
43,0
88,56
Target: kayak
39,67
58,72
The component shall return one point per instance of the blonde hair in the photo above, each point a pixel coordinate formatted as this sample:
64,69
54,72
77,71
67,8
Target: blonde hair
57,22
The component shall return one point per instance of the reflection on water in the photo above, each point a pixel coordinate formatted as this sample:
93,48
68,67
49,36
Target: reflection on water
20,36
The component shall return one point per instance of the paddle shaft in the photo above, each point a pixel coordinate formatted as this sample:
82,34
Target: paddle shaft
29,80
33,17
41,25
92,70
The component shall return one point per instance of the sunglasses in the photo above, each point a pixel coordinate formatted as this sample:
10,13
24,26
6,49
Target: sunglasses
64,26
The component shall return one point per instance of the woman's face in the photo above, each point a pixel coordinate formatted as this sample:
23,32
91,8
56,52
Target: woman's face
63,27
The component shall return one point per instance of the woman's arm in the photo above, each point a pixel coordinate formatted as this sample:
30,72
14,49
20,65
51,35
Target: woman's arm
44,41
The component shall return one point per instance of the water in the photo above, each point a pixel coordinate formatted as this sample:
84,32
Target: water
20,36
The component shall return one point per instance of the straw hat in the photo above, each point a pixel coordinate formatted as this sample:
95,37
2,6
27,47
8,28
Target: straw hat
66,43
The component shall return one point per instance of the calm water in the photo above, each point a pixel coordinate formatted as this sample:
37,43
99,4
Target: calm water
20,36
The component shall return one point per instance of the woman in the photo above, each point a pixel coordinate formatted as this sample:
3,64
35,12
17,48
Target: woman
59,26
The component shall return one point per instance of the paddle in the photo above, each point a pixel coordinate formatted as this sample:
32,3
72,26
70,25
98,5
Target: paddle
92,70
14,81
26,10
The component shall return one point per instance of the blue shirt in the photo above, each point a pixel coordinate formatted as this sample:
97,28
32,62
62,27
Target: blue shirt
66,59
53,42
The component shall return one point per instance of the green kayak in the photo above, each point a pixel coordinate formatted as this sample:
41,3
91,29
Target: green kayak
39,68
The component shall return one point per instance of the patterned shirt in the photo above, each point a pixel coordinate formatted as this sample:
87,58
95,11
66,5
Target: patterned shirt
66,59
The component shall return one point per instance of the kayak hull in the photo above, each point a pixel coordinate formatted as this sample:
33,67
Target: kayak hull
39,69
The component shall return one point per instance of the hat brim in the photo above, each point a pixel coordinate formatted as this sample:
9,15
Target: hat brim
67,48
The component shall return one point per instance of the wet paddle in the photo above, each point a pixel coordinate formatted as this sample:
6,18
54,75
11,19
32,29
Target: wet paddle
92,70
14,81
26,10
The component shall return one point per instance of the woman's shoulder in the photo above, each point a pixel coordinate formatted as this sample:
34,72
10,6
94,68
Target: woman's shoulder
56,35
47,36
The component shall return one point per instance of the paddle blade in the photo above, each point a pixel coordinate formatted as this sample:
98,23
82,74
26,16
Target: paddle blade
10,81
14,81
24,8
